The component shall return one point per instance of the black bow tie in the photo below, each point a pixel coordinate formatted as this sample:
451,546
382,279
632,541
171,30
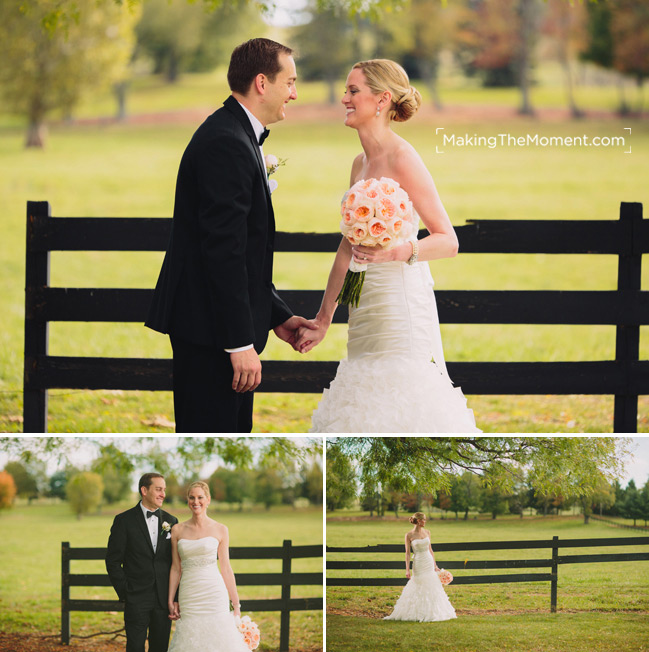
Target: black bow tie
263,137
150,514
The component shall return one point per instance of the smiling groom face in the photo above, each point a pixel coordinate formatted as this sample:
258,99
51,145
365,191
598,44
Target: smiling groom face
153,496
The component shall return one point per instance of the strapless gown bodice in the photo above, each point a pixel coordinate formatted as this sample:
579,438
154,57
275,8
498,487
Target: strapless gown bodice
423,598
206,623
394,378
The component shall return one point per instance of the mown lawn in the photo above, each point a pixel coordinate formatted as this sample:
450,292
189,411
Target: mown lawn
30,572
121,170
603,606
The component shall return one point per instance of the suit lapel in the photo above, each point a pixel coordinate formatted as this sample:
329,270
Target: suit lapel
234,107
141,521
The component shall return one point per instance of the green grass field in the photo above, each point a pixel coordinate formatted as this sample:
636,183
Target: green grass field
122,170
603,606
30,572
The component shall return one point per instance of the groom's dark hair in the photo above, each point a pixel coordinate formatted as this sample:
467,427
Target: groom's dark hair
147,479
258,55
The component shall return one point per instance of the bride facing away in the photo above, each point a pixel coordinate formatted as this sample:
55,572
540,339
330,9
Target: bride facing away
423,598
394,378
204,622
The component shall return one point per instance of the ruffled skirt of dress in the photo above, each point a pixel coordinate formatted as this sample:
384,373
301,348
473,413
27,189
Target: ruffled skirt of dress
206,624
423,599
388,382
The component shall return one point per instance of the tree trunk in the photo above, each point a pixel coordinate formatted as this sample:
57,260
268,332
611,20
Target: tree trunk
120,95
36,133
527,13
586,519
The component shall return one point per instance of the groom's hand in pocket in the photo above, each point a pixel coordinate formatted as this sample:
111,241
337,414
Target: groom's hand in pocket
246,366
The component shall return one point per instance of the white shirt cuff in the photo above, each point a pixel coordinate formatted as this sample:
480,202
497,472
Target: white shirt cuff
241,348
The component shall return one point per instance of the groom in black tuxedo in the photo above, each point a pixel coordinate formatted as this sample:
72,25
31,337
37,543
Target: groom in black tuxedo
215,295
138,561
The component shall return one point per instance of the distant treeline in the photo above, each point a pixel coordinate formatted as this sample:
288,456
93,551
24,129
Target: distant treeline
104,484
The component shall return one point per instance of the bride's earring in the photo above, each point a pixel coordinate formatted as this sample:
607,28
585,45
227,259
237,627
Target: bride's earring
378,111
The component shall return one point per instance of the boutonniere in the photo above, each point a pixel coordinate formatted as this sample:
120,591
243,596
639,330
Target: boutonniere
166,527
272,163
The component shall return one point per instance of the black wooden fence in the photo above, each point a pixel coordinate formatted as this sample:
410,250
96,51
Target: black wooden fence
286,579
551,563
627,308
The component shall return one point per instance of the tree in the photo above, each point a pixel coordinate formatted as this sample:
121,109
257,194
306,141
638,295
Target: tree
47,71
466,494
644,499
230,486
341,480
326,47
603,496
116,481
312,483
84,491
565,465
632,507
494,501
7,490
268,487
630,31
180,36
26,485
566,25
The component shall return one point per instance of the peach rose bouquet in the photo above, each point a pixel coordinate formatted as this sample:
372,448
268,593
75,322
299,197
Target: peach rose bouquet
250,631
375,212
445,577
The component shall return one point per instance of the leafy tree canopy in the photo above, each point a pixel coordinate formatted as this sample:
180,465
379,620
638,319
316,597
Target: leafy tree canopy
570,465
186,458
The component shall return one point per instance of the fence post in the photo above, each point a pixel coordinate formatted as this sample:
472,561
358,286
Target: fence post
555,575
627,336
285,621
65,592
37,276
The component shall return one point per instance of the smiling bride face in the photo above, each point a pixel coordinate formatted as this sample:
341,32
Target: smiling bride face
198,497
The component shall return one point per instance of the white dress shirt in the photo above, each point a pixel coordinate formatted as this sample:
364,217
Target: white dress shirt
258,128
152,524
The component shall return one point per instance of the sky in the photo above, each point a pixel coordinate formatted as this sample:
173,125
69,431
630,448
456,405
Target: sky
636,467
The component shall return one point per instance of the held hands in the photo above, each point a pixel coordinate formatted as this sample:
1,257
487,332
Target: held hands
408,574
291,330
174,611
312,336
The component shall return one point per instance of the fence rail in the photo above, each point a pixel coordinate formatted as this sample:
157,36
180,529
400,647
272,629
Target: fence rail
553,562
627,308
286,579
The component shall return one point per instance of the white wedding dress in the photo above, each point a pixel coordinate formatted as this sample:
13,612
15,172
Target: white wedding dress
206,623
388,382
423,599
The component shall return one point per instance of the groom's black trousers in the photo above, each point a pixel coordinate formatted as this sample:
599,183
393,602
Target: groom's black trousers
143,614
204,400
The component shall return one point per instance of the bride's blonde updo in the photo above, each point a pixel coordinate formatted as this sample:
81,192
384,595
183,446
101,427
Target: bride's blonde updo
416,517
386,75
202,485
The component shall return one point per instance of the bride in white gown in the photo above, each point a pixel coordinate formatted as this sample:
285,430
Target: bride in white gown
394,378
423,599
204,622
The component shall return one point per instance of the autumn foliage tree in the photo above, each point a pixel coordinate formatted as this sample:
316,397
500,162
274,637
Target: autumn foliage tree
7,490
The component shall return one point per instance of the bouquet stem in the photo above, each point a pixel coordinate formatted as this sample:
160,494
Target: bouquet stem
350,292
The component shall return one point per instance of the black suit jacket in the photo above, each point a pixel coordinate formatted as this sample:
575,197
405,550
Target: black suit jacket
133,568
215,286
